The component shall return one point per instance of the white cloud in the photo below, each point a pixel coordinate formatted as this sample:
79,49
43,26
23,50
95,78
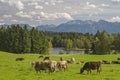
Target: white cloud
104,5
38,7
23,14
53,2
46,3
7,16
53,16
2,0
14,20
90,5
67,8
17,3
116,0
32,13
33,3
115,19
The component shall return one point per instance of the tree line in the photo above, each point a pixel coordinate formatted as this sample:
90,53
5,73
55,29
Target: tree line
17,39
99,43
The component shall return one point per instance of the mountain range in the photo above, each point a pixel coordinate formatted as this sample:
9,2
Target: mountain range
81,26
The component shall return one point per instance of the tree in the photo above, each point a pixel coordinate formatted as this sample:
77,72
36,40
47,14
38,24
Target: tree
26,40
101,44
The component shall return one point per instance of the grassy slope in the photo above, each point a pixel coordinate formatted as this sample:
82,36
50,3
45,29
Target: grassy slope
16,70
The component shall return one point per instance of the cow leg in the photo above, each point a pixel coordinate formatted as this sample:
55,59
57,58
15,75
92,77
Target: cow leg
98,71
90,71
87,71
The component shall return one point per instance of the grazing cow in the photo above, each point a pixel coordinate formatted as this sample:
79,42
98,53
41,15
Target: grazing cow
52,66
91,66
118,58
45,65
72,60
80,62
40,66
46,58
106,62
19,59
115,62
61,59
62,65
41,56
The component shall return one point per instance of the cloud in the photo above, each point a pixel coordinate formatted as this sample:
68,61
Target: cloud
17,3
2,1
115,19
14,20
32,13
90,5
38,7
46,3
53,2
54,16
33,3
7,16
23,14
115,0
105,5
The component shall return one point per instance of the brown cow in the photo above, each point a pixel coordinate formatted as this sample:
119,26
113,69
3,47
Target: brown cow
46,58
52,65
40,66
62,65
45,65
19,59
91,66
118,58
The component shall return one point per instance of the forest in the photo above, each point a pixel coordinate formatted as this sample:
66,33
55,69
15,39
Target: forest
17,39
99,43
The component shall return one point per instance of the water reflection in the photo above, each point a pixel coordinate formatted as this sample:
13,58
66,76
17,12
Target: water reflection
58,50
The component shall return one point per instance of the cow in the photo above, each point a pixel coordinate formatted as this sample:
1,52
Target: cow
52,65
45,65
106,62
118,58
62,65
72,60
19,59
79,62
46,58
41,56
115,62
61,59
40,66
91,66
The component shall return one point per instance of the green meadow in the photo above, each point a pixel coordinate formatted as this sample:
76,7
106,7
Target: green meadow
10,69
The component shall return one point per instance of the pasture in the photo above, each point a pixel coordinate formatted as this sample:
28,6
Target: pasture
10,69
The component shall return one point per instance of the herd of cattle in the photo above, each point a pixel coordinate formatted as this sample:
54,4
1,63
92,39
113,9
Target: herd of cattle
51,65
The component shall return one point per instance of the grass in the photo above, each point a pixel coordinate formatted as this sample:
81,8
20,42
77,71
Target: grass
22,70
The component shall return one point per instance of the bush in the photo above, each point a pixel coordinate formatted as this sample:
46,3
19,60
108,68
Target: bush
61,52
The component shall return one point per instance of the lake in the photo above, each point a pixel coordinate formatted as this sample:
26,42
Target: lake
58,50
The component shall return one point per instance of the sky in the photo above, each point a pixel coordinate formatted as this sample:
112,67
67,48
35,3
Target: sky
42,12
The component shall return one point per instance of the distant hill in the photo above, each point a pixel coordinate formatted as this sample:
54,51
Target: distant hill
78,26
21,25
83,26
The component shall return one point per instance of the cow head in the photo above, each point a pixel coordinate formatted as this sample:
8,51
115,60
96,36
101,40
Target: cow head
81,70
